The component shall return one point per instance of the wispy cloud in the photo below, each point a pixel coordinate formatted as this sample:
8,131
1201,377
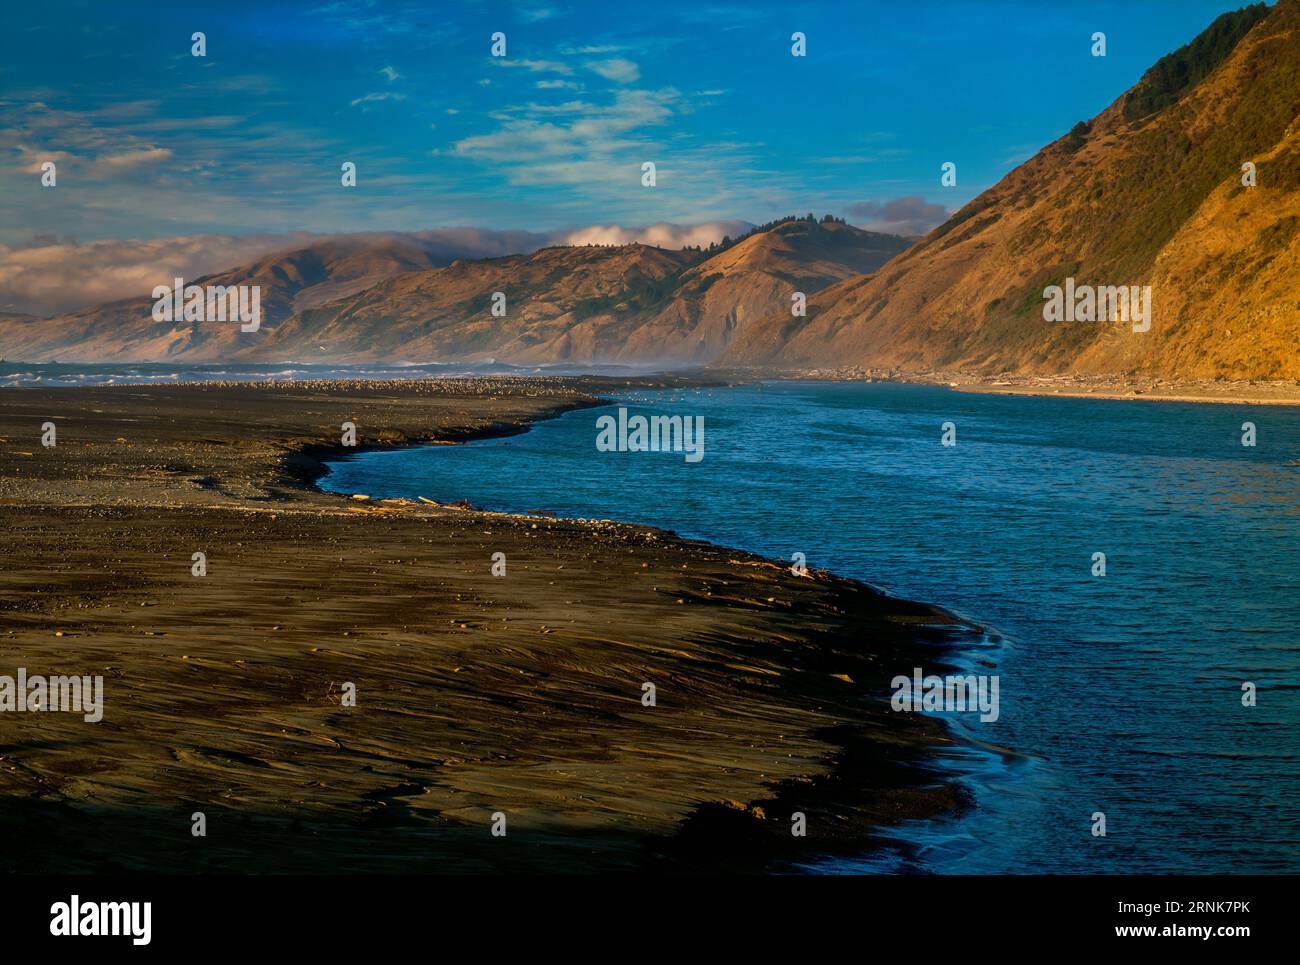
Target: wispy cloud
535,12
384,96
114,163
536,66
618,69
83,144
593,49
32,161
573,143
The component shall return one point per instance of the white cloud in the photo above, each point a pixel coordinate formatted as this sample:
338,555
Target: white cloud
573,143
30,161
591,49
133,159
664,234
536,12
618,69
385,96
86,145
535,66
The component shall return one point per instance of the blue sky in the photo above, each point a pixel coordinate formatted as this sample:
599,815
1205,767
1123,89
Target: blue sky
152,142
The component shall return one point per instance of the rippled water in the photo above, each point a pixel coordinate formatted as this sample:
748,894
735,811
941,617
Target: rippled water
1119,694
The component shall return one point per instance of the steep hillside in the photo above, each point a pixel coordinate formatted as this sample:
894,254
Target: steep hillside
293,281
729,295
447,313
1148,193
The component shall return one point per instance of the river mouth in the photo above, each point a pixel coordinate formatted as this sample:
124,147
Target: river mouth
1120,693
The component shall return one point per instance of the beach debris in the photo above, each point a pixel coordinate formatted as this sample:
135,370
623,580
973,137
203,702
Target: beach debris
754,811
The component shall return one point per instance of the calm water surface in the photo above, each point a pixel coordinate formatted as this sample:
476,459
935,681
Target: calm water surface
1119,694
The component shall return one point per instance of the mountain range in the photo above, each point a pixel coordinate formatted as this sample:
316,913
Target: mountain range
1188,183
389,299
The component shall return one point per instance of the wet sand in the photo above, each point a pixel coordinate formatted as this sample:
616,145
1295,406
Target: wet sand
475,694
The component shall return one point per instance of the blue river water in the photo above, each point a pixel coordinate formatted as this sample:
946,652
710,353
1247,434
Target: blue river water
1120,694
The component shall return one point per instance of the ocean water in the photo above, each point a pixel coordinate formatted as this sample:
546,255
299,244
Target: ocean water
1119,694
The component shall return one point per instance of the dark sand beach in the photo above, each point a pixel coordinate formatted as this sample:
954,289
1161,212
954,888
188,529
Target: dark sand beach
475,694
